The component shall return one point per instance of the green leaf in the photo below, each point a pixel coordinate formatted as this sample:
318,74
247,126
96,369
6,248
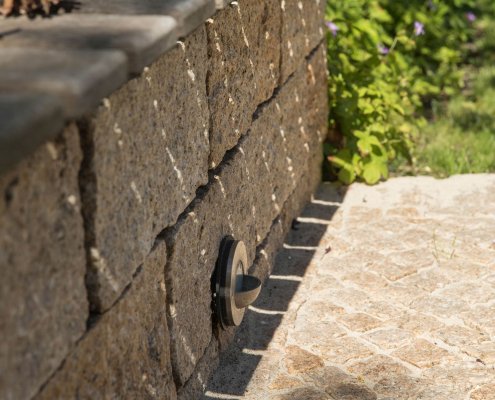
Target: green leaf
371,173
347,176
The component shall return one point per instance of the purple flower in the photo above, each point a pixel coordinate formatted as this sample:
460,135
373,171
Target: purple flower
419,28
382,49
332,27
471,16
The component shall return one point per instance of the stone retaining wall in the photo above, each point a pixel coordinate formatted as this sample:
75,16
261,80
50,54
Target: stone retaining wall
109,233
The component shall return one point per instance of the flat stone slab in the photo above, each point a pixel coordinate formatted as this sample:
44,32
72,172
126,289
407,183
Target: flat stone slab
143,38
382,292
79,79
189,14
27,121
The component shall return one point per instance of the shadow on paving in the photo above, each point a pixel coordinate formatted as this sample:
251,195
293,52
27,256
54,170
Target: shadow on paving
239,362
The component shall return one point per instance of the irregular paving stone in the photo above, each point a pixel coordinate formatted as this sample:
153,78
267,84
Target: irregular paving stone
43,302
398,386
22,132
464,377
299,360
460,336
78,78
126,354
285,382
306,393
243,49
341,386
485,392
142,38
189,14
377,367
360,322
140,146
389,338
422,354
341,349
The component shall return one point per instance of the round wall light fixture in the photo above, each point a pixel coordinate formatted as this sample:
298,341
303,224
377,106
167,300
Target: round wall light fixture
233,289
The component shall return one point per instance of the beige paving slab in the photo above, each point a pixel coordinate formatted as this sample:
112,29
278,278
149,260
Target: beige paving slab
393,300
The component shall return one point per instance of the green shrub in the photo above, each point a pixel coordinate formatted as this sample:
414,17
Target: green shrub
389,61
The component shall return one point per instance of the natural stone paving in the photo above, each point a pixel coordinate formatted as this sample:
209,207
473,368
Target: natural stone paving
384,292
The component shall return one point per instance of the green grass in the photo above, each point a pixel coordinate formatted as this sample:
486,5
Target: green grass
460,138
449,151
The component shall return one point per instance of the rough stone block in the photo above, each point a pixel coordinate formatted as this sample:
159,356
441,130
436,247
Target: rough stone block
79,78
147,157
244,51
142,38
196,384
28,120
302,31
224,209
245,196
316,96
286,146
43,302
267,250
189,14
126,354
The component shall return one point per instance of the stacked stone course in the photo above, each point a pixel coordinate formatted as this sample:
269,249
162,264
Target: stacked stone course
109,234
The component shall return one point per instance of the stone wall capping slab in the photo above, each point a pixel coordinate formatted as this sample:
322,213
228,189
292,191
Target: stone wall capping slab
189,14
142,38
22,132
79,78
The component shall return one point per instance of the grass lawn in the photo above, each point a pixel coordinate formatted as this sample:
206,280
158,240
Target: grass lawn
460,137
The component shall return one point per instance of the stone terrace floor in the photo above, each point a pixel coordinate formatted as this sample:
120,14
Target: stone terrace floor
384,292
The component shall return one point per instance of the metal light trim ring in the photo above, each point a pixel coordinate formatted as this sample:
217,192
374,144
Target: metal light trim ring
234,290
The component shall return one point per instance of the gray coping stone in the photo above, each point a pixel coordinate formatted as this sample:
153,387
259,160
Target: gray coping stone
147,155
43,301
27,121
126,354
80,79
143,38
244,53
189,14
242,200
